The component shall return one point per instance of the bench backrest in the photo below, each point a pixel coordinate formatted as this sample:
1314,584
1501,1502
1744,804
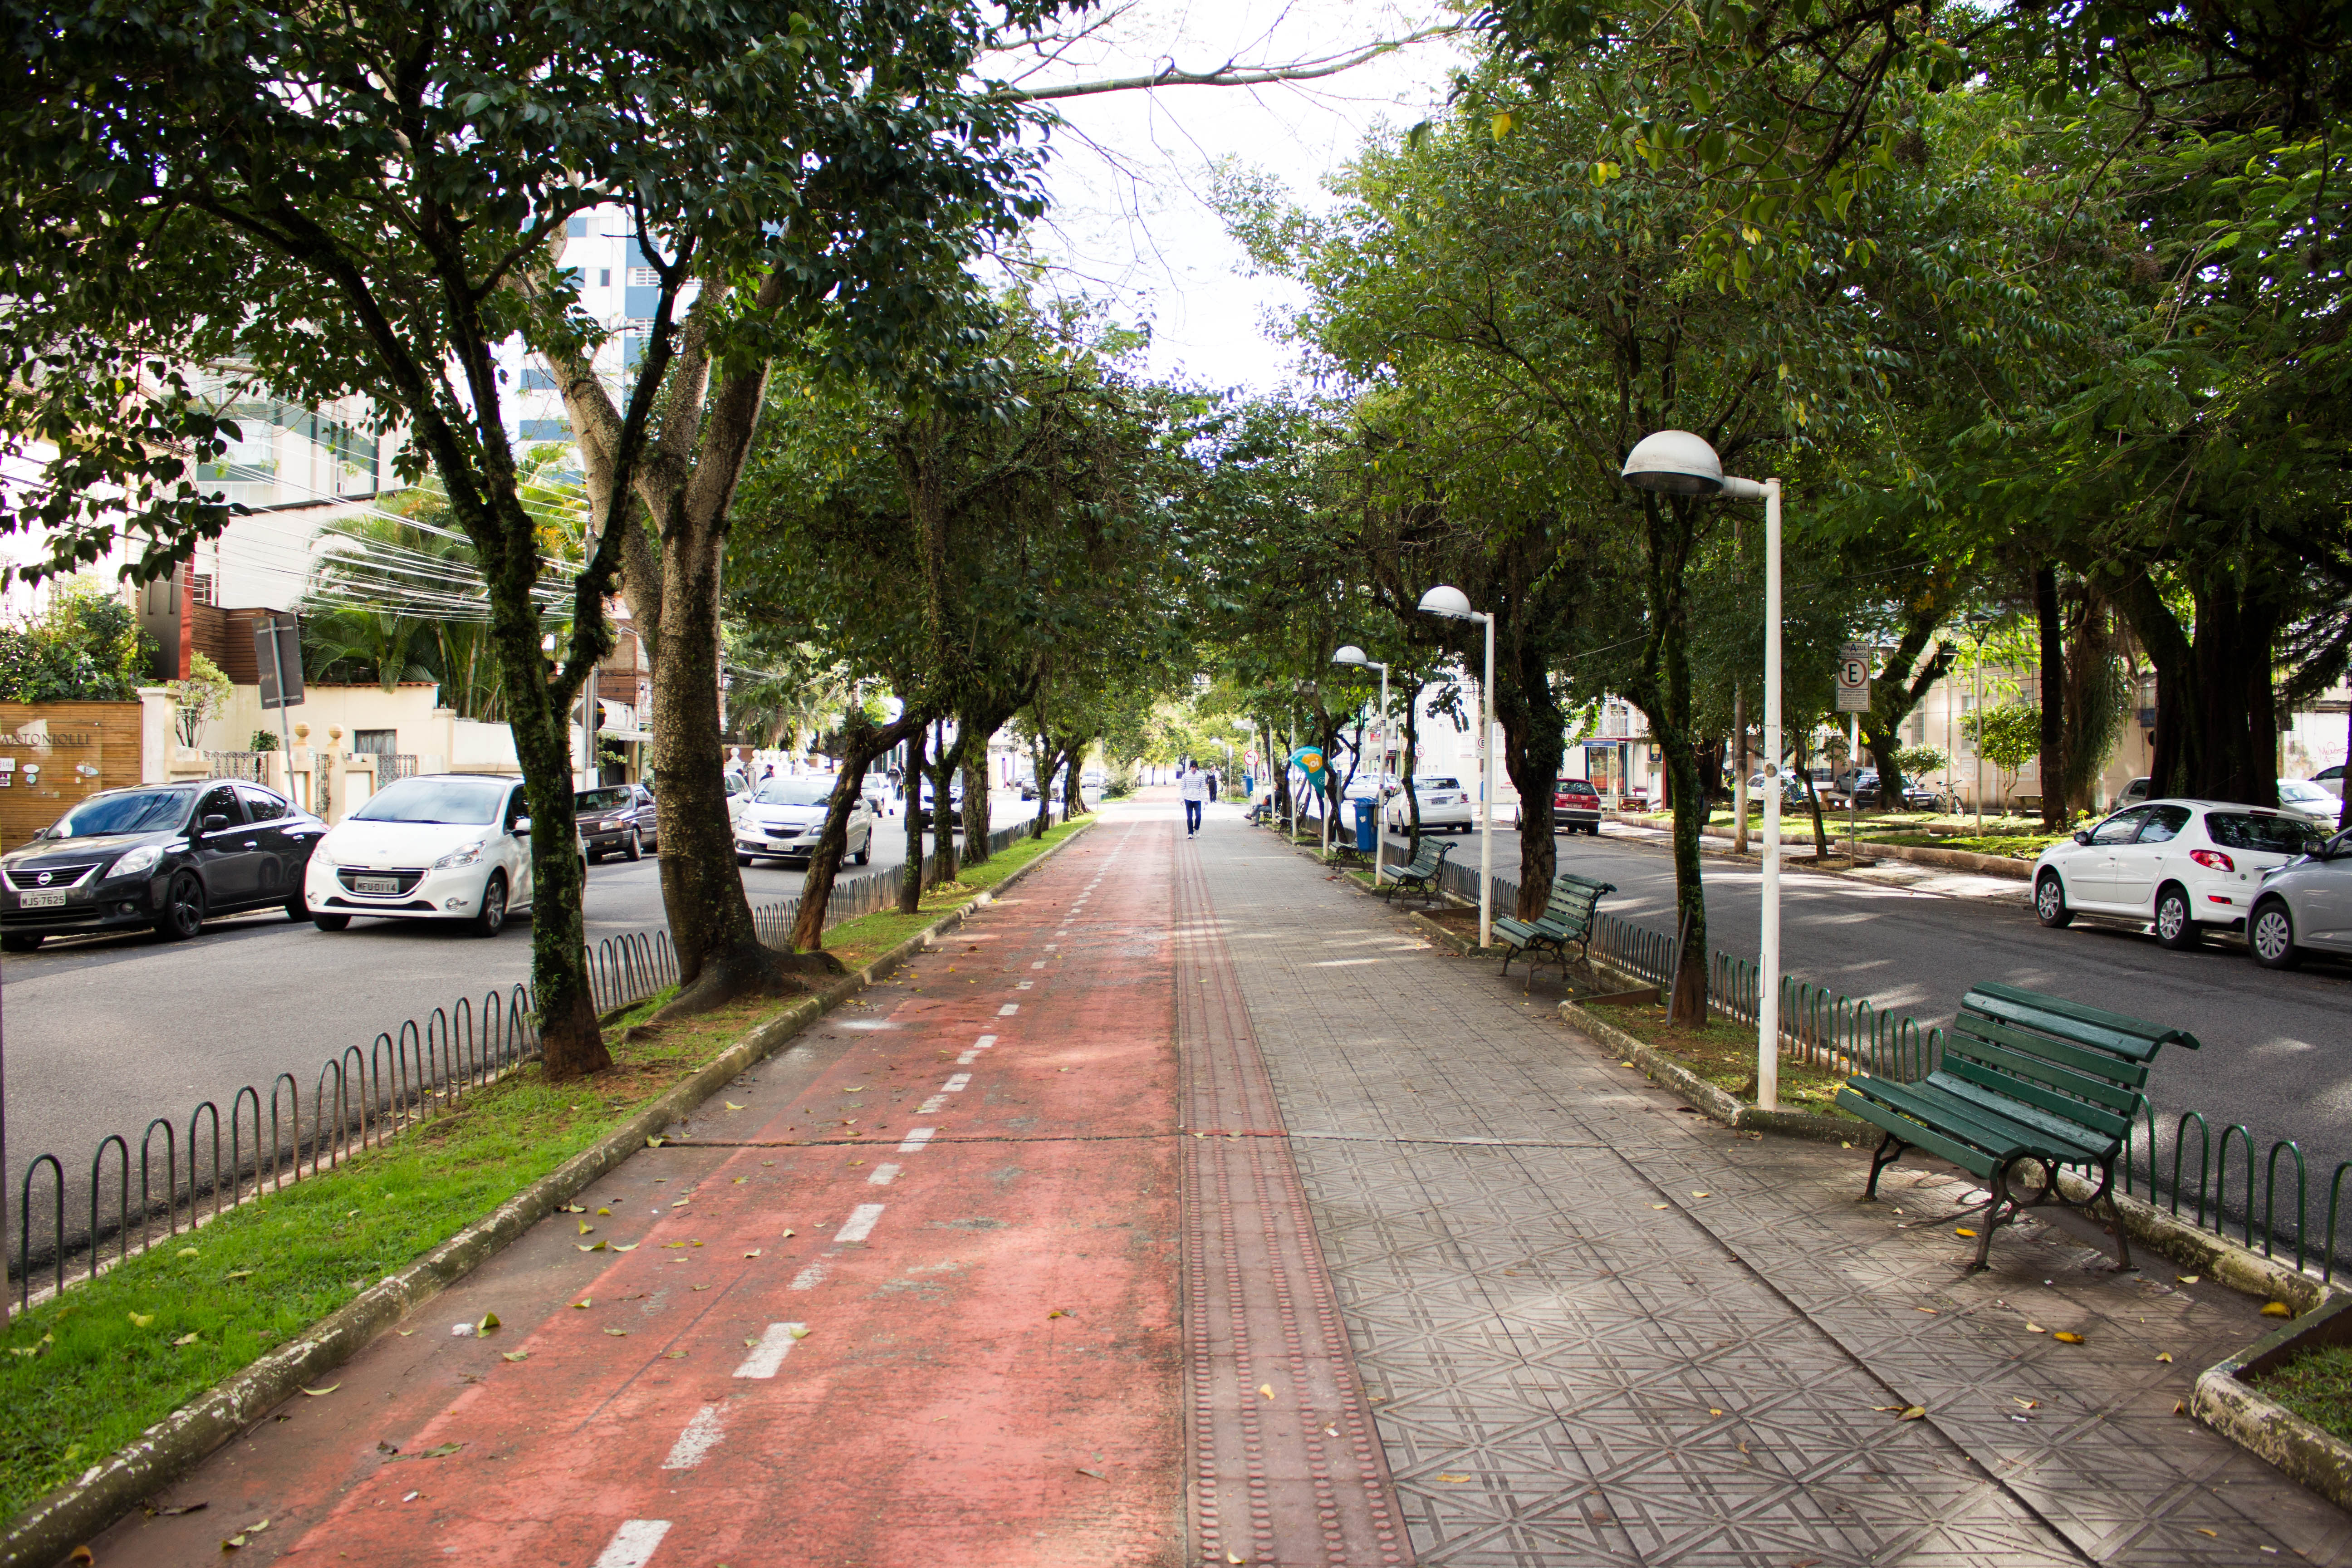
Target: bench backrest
2081,1063
1573,899
1426,859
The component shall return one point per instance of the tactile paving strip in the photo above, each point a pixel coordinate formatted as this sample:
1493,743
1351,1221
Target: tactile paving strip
1286,1467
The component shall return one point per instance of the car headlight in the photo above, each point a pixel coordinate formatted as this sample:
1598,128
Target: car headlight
138,862
465,855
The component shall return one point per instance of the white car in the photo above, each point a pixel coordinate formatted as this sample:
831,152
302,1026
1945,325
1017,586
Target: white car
2186,866
442,846
785,818
2308,799
1445,806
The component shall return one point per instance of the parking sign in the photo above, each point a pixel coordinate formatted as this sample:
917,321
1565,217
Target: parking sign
1853,681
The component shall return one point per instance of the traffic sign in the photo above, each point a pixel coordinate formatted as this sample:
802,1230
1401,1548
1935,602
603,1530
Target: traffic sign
1854,680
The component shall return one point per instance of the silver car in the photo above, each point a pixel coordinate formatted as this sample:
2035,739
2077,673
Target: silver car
2305,904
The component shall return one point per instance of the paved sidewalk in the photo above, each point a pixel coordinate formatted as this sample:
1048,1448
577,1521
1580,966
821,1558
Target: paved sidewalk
1188,1207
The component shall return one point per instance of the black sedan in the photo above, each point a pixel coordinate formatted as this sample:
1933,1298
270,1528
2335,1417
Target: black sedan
166,857
616,817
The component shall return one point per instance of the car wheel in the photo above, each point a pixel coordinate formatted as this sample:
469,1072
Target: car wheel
492,917
637,850
184,909
2050,902
866,850
742,860
330,922
2174,928
297,911
2270,935
20,942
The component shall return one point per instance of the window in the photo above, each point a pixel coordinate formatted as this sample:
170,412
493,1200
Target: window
2265,835
221,801
639,301
2163,823
2120,828
644,278
382,742
202,589
442,800
602,799
133,811
260,805
604,278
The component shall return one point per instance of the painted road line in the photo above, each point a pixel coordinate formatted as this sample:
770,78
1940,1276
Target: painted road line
982,1042
956,1084
932,1106
1026,985
884,1176
633,1544
774,1346
812,1276
1038,964
1008,1009
916,1138
860,1224
701,1435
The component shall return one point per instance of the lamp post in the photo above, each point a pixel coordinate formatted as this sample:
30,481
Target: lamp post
1353,655
1677,463
1453,604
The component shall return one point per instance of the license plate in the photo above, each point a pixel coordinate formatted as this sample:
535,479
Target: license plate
53,899
375,884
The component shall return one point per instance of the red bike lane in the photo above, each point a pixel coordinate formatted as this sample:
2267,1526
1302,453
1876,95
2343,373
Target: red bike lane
947,1333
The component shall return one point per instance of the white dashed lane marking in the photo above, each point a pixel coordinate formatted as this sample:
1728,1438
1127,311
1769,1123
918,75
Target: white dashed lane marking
1008,1009
1041,963
860,1224
766,1356
884,1176
701,1435
916,1138
956,1084
633,1544
812,1276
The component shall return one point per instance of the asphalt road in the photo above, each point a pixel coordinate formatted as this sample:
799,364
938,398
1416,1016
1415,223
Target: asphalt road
103,1034
2276,1048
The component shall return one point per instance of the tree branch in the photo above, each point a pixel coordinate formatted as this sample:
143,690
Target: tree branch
1226,75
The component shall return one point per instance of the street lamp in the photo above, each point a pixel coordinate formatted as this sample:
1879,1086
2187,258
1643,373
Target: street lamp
1353,655
1677,463
1455,605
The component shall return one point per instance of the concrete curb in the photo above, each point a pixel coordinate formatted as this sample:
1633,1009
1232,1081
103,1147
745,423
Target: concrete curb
2225,1400
2202,1252
1718,1104
1944,859
49,1529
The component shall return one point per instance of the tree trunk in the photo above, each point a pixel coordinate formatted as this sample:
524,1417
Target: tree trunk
1074,792
910,884
1412,760
943,844
860,744
1812,798
2051,626
1532,750
2216,710
1900,689
976,816
1739,783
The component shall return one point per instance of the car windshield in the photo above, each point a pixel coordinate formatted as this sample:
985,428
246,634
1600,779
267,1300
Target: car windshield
2299,790
1437,784
794,791
133,811
468,801
2265,835
601,799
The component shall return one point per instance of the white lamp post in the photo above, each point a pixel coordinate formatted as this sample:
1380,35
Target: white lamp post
1353,655
1455,605
1675,462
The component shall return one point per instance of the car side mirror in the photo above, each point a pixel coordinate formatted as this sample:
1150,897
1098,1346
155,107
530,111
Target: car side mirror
521,828
2083,836
216,822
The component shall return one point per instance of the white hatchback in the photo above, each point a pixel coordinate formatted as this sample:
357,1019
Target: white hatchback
441,846
2185,866
1445,806
785,817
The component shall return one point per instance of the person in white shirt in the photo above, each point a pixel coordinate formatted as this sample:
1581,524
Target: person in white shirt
1193,785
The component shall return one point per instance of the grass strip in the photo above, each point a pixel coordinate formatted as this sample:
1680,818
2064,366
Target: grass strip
90,1371
862,940
2317,1386
1723,1052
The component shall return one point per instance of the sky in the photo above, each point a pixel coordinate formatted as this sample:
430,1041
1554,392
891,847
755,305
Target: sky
1130,173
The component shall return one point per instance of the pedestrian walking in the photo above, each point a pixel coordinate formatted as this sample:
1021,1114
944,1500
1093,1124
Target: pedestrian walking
1213,784
1193,785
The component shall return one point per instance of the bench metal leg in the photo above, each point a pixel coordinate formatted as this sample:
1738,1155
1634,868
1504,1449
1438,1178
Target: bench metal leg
2115,1213
1890,1149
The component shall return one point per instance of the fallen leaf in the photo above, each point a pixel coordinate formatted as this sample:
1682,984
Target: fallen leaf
732,1106
177,1509
2166,1357
1453,1480
587,1229
1056,1312
1096,1474
1963,1230
2063,1338
674,1246
652,1142
681,1203
322,1393
570,1208
240,1274
1658,1205
1711,1411
2190,1279
585,1301
185,1252
788,1235
2025,1404
81,1554
139,1320
800,1334
605,1210
2277,1310
1912,1414
407,1334
2033,1328
631,1248
490,1320
699,1287
1266,1391
1235,1557
1929,1310
438,1451
2213,1533
2180,1408
1699,1194
618,1333
740,1180
185,1340
516,1355
754,1253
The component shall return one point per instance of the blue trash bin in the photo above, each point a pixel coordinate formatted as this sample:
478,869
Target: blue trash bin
1364,809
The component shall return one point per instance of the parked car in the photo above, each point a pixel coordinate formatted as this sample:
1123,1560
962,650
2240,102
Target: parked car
2308,799
1445,806
439,847
2331,780
2187,865
2135,794
2304,905
165,857
787,817
1575,807
615,818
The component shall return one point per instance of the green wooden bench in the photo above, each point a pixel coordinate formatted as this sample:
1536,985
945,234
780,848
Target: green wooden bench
1567,918
2023,1078
1419,873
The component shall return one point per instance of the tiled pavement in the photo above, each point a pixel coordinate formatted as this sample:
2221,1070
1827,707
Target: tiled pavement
1596,1330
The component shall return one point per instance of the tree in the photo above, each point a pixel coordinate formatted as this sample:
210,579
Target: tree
2009,736
87,648
383,190
197,699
